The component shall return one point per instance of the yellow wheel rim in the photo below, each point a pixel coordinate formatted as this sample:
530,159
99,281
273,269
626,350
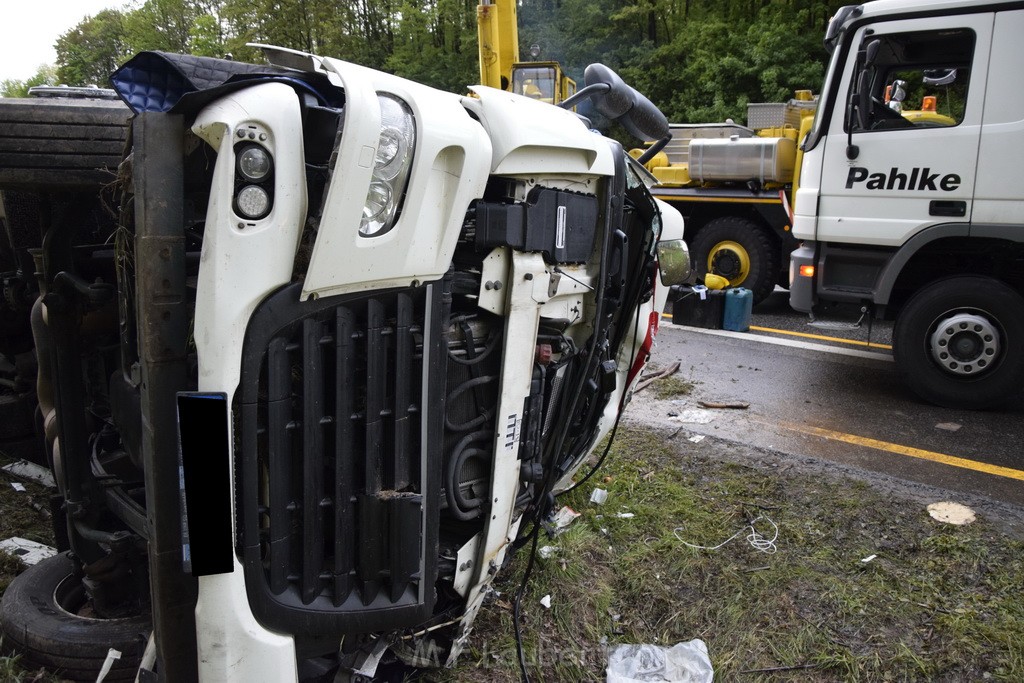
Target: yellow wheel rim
730,260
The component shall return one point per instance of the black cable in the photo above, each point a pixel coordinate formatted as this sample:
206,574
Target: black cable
518,601
615,427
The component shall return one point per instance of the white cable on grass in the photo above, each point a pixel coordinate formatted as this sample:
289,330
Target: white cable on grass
756,539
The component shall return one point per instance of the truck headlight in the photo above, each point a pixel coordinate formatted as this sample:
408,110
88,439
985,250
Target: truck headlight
254,163
254,180
252,201
391,167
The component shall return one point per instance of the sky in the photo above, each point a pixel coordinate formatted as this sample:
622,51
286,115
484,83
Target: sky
29,28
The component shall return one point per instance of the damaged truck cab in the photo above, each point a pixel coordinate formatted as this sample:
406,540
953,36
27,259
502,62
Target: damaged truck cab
348,337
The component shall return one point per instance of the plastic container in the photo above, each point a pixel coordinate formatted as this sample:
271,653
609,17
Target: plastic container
698,306
739,302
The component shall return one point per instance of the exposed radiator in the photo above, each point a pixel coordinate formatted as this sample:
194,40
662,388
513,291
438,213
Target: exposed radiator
338,468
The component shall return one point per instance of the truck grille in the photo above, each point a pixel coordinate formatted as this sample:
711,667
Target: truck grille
338,469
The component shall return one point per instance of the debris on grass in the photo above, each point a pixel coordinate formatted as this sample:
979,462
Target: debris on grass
654,375
737,405
951,513
665,383
563,518
29,552
599,496
24,469
547,551
682,663
696,416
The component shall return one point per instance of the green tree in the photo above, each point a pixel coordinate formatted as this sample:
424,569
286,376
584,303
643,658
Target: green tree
45,75
435,44
87,53
317,26
176,26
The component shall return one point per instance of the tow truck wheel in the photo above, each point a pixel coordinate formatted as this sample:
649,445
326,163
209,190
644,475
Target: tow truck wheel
44,618
960,342
740,251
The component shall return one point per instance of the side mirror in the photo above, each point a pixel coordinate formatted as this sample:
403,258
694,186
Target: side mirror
870,52
936,77
863,99
674,262
860,101
619,102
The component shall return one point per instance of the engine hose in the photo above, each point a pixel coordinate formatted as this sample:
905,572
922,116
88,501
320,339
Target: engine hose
457,392
451,489
492,344
460,499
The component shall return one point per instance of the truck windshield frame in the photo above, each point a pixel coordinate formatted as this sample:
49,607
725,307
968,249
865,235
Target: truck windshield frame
827,99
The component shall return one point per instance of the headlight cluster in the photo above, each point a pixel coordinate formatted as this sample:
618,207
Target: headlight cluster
254,178
391,167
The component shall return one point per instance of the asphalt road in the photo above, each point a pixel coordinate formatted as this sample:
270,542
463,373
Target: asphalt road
837,400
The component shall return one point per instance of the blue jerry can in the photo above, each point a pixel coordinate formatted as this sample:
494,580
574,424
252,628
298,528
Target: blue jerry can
739,301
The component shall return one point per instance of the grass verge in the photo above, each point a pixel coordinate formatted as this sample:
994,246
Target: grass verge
936,602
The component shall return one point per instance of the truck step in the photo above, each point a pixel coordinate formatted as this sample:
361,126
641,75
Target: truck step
837,324
834,324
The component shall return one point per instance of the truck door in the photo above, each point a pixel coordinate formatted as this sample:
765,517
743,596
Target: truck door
915,90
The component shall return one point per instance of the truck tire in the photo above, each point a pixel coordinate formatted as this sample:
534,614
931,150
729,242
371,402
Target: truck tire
740,251
60,143
40,620
960,342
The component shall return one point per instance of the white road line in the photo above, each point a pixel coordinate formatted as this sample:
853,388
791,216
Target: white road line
791,343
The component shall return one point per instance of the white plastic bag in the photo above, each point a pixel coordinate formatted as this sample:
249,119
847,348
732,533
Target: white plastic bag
681,663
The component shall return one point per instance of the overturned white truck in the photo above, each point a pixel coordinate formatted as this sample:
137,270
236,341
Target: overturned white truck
337,343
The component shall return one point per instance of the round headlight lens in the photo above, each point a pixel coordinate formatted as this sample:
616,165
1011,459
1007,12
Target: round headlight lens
254,163
388,149
253,201
377,209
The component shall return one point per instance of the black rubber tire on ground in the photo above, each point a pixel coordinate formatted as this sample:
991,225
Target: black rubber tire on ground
971,307
38,621
756,244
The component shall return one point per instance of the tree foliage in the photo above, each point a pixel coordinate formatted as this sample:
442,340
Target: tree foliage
90,51
699,60
15,88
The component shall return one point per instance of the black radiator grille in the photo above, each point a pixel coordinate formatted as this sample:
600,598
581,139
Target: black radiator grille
339,466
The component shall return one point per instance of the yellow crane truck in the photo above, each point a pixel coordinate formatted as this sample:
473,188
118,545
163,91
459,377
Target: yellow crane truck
498,35
734,185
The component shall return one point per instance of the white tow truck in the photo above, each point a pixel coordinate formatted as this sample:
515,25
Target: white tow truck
921,219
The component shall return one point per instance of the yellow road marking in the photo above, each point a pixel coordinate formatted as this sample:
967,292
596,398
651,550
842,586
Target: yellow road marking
942,458
808,335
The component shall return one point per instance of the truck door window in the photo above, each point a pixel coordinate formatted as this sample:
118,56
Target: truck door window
916,80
